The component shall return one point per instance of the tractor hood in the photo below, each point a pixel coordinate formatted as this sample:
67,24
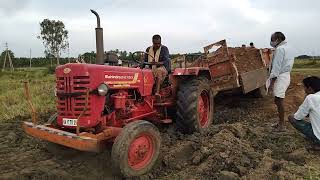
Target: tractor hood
116,77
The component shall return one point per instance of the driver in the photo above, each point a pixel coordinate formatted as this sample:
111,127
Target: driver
160,54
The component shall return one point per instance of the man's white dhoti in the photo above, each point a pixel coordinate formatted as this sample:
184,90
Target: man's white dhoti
280,68
281,85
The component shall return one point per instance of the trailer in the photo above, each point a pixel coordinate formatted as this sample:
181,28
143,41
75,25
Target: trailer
230,68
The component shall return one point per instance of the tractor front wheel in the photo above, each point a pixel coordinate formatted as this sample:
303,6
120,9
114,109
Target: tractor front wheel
136,149
195,105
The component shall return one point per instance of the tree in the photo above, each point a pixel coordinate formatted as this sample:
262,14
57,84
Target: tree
3,55
54,36
89,56
123,55
303,57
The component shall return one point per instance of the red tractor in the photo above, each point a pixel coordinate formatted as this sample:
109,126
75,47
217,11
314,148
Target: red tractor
99,105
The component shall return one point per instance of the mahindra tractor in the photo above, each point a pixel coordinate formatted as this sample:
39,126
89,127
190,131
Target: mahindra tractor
99,105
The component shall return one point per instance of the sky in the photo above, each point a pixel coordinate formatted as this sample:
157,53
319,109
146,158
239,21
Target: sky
185,25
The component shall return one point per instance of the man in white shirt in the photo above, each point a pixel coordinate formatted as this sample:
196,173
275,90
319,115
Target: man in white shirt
279,79
311,108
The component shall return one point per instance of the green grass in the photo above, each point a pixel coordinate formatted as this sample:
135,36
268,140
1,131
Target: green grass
307,71
313,173
12,95
300,63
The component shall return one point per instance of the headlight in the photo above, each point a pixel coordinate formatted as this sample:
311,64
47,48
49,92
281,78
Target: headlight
103,89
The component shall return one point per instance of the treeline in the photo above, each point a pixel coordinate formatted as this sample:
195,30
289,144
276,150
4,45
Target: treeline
88,57
37,62
306,57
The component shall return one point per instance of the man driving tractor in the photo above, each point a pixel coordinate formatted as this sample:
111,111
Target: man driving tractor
158,53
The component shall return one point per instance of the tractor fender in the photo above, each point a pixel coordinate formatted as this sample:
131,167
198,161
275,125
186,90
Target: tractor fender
192,71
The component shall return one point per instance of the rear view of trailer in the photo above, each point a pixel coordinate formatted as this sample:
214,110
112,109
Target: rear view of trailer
236,67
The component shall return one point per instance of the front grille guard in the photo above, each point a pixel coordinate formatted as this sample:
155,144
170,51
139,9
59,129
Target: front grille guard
74,94
34,112
71,91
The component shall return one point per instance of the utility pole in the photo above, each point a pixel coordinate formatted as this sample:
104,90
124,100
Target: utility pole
313,57
68,53
7,55
30,58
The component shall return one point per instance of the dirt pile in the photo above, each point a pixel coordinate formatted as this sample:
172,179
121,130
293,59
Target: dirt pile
247,59
229,152
223,151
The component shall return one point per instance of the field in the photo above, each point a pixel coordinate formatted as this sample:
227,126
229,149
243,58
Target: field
12,95
306,63
241,144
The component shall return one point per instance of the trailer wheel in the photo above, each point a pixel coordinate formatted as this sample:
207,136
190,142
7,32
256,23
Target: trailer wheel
260,92
136,149
195,105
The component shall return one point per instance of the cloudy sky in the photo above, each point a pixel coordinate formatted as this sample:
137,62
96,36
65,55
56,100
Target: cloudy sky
185,25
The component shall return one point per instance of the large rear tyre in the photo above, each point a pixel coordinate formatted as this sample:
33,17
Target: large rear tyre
136,149
195,106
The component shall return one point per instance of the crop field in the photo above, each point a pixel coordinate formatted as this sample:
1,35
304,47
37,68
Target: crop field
306,63
12,96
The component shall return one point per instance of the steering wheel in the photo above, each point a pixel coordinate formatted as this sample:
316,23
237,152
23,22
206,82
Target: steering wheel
146,63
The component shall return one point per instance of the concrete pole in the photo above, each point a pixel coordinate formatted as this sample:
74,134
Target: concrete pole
30,58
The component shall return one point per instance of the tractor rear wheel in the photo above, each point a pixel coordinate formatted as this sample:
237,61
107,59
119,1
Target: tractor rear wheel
136,149
195,105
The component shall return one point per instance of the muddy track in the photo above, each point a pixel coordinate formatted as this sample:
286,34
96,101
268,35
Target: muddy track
241,144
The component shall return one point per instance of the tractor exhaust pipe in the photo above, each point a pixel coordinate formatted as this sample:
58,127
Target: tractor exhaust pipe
99,40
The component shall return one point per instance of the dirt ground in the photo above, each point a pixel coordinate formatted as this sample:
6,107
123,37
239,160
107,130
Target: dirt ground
241,145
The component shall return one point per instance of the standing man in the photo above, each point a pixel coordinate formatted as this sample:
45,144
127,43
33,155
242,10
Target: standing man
279,79
311,107
159,53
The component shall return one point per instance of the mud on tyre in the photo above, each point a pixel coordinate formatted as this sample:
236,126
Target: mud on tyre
194,105
136,149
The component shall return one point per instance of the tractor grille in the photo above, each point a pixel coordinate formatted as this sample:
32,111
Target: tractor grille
73,106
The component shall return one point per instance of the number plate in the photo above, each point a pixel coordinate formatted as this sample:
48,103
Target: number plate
69,122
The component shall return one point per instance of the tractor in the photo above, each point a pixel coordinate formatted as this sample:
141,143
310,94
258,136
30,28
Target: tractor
99,105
